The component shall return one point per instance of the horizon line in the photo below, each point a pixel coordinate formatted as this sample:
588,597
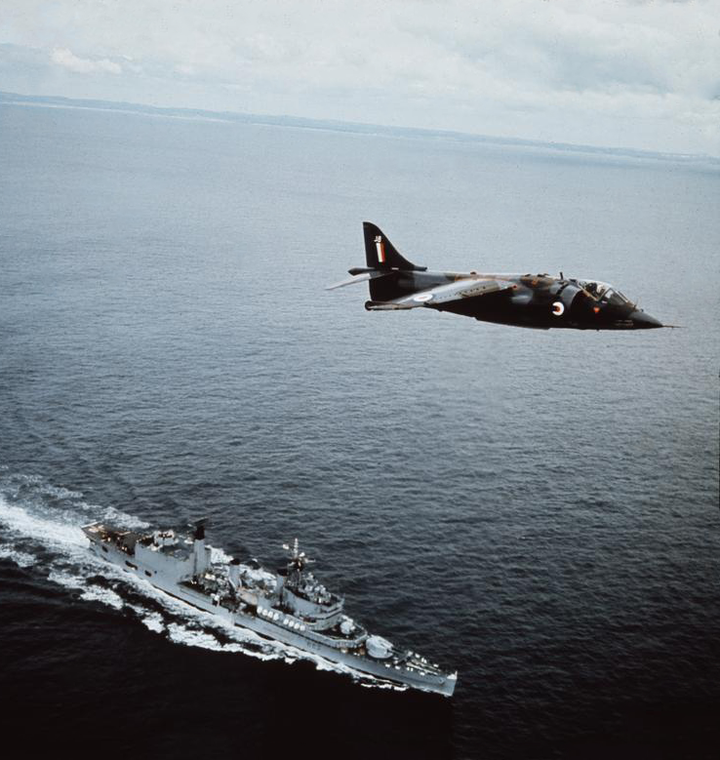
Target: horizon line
337,125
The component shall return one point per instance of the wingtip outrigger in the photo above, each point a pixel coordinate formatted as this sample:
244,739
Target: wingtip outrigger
359,274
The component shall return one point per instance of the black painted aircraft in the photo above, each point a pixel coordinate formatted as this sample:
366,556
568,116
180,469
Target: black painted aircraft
523,300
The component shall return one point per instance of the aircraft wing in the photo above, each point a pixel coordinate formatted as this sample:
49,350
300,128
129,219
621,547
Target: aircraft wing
364,277
442,294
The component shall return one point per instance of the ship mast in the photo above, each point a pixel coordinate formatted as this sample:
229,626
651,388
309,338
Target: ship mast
298,562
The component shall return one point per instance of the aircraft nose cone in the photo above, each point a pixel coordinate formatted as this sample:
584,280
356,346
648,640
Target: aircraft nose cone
643,321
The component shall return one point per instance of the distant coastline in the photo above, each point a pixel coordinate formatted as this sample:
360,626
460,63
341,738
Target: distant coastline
297,122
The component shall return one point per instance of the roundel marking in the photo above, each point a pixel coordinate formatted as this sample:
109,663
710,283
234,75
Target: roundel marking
423,297
558,308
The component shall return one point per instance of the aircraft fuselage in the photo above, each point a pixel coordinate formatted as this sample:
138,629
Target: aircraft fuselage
532,300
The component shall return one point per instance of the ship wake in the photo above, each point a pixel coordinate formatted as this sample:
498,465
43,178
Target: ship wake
40,531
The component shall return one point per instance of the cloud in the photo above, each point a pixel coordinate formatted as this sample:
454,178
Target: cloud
639,74
66,58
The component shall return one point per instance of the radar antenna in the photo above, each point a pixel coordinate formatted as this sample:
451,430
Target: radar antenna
298,560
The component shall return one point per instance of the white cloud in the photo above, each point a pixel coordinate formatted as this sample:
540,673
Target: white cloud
640,74
66,58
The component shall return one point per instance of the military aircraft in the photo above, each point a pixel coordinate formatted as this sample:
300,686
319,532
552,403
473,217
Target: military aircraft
524,300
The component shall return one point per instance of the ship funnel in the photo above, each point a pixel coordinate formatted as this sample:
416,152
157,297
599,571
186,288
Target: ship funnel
200,551
199,532
234,573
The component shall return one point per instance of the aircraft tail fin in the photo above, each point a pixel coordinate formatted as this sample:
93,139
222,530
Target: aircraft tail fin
380,253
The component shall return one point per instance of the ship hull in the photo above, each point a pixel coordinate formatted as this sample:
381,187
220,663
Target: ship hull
273,631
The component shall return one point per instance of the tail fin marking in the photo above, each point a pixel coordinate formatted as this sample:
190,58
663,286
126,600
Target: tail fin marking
380,248
380,253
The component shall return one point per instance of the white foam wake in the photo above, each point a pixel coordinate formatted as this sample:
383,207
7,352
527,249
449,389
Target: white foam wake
53,535
21,559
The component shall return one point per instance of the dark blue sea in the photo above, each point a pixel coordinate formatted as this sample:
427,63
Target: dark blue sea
538,510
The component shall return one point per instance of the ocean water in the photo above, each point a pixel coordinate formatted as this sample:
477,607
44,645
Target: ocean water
538,510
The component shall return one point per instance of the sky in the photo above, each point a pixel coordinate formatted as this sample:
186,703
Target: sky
641,75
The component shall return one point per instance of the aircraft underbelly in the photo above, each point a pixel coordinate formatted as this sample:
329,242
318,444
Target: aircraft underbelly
536,309
490,309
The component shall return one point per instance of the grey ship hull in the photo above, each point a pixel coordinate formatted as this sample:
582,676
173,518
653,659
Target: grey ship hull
275,631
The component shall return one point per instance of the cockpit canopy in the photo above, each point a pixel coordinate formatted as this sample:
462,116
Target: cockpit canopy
604,293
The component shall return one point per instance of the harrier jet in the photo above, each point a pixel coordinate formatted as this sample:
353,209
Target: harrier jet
523,300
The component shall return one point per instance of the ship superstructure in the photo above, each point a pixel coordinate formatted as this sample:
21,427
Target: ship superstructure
290,606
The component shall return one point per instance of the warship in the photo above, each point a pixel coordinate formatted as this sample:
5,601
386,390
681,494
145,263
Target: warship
289,606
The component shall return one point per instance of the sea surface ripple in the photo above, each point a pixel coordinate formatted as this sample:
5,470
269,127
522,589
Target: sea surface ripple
538,510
